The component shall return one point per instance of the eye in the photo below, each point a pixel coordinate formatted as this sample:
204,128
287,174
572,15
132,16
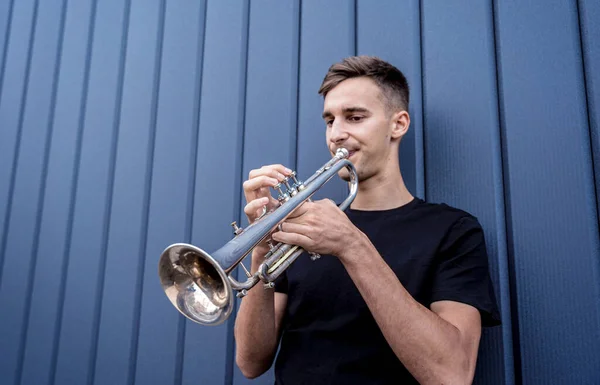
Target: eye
329,122
355,118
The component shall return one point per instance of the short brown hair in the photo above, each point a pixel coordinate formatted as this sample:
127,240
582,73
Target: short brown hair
390,79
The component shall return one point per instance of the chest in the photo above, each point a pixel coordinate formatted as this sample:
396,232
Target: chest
321,292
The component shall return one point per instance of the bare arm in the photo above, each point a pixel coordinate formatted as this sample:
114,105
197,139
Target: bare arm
258,322
438,346
257,329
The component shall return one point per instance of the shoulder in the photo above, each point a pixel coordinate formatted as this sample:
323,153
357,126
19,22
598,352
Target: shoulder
444,215
451,227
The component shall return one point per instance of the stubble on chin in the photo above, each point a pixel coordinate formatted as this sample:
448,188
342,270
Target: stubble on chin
344,174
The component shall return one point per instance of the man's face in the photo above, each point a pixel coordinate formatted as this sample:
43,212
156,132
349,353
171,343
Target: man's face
357,119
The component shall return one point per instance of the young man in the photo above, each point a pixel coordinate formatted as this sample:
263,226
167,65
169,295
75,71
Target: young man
402,289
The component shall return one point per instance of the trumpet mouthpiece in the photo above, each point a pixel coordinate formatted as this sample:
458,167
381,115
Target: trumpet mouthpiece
342,152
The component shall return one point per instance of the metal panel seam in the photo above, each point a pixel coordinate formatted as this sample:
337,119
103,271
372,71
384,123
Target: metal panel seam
74,181
5,50
355,26
516,343
147,196
41,194
13,173
501,222
589,138
296,105
110,193
237,183
420,153
587,105
189,220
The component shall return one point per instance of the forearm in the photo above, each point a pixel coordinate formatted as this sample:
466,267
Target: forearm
255,330
425,343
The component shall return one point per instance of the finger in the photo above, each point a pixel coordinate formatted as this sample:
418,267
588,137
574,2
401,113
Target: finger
270,172
292,239
297,228
273,202
276,171
252,208
300,210
325,202
258,183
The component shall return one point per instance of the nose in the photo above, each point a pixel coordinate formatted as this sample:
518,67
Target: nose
338,133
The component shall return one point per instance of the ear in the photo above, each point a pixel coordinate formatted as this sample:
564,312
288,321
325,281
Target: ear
400,123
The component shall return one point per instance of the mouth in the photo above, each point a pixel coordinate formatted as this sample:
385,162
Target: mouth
350,153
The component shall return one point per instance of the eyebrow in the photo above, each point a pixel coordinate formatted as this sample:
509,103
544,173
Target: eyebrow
345,110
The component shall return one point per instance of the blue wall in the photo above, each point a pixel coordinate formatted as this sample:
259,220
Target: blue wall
128,125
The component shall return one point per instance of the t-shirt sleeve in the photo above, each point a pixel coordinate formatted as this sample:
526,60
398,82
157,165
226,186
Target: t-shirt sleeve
281,284
462,272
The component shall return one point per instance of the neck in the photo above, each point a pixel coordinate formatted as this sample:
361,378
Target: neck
382,192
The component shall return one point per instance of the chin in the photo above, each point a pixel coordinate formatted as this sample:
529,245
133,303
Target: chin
344,175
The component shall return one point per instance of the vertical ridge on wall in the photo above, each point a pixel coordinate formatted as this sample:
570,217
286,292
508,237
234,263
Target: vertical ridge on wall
109,194
41,193
237,185
21,227
402,49
296,107
5,39
590,58
12,152
194,150
147,193
270,126
296,65
193,166
461,144
588,12
92,200
354,28
217,164
191,204
420,155
586,93
160,350
554,231
119,314
507,300
74,180
325,40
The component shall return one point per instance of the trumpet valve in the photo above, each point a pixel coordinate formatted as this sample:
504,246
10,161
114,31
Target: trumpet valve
236,230
298,185
283,196
293,176
269,285
291,189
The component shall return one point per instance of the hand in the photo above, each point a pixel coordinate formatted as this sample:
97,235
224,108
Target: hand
258,195
319,227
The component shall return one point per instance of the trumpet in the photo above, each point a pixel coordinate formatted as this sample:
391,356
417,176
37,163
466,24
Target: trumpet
200,285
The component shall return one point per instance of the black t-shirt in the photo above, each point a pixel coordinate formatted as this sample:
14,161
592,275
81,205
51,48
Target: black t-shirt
329,334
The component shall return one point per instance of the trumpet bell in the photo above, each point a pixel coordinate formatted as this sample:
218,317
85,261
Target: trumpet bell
195,284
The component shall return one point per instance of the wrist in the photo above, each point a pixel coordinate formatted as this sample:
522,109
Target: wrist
355,247
258,257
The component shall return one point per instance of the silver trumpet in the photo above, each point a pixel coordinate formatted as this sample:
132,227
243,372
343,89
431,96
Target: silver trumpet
200,284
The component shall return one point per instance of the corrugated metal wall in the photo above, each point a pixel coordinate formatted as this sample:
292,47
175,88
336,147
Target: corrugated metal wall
127,125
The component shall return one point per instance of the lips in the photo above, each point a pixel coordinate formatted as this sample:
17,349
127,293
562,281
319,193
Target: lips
350,152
